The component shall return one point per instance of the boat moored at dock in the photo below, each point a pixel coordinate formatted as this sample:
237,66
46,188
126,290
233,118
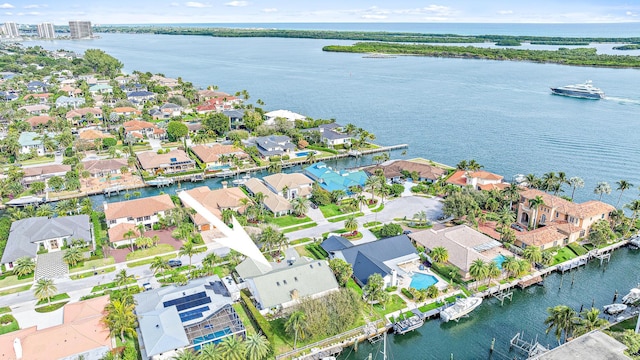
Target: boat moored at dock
613,309
462,307
409,324
632,297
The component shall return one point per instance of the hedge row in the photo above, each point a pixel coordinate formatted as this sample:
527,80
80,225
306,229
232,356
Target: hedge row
320,148
407,293
576,248
317,251
262,323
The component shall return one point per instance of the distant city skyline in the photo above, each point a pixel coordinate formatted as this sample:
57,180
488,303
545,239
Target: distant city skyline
60,12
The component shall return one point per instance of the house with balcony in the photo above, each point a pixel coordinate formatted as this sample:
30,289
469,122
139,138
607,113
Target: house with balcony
236,118
273,145
289,186
479,180
126,215
395,170
175,161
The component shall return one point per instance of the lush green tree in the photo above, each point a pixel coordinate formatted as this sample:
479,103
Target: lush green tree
562,320
56,183
258,347
109,142
602,188
101,62
120,318
24,266
217,123
73,256
186,354
439,254
493,271
342,270
351,223
296,325
459,205
479,270
600,233
389,230
300,205
122,279
44,288
533,254
588,321
37,187
634,206
176,130
432,292
534,204
158,265
210,351
632,340
232,348
374,290
575,183
188,249
252,119
622,185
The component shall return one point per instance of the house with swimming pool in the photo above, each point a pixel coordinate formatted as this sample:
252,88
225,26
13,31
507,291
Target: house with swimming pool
331,180
216,156
391,257
464,245
173,318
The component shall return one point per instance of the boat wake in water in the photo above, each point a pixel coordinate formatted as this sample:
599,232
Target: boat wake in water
622,100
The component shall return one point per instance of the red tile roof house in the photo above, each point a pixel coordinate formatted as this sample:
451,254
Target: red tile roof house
101,168
42,98
77,116
175,161
217,104
42,173
40,120
479,180
392,170
216,201
144,128
126,111
212,154
571,219
125,215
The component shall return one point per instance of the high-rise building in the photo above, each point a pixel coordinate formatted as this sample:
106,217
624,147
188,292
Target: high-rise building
11,30
80,29
46,31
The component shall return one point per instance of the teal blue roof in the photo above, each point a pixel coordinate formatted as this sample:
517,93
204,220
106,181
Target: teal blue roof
28,138
331,180
99,87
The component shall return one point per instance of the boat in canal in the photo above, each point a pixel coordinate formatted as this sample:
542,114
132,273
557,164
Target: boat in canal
409,324
462,307
613,309
632,297
160,181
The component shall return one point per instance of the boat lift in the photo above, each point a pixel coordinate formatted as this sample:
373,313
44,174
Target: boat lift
530,348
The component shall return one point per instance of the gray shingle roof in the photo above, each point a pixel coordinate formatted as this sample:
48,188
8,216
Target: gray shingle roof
335,242
26,232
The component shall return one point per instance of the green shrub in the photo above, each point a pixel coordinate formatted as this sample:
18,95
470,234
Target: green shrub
407,293
391,289
258,319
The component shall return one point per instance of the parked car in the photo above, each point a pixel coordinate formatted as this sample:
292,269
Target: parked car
517,227
146,286
407,232
174,262
313,205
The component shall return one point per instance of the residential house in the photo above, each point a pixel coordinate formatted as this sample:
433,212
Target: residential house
384,257
479,180
9,95
87,138
331,180
37,86
126,111
464,246
594,345
273,145
174,318
165,81
141,129
70,90
100,89
271,116
140,96
218,104
394,170
574,220
30,235
236,118
81,335
40,98
40,120
175,161
289,186
79,116
31,141
284,287
72,102
204,95
216,201
36,109
146,211
166,111
44,172
103,167
194,128
211,154
275,203
330,136
124,79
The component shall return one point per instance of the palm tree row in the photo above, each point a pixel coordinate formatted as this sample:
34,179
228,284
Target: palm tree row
254,347
566,322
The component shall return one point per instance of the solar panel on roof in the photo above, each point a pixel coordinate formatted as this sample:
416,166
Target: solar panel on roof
193,314
193,303
184,299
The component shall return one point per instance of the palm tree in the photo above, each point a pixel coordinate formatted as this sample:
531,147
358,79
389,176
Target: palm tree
588,321
351,223
372,183
622,186
296,325
549,181
24,266
158,265
421,216
493,271
274,167
227,215
119,317
210,352
506,217
472,165
300,205
479,270
532,181
602,188
72,256
189,250
258,347
232,348
535,204
186,354
510,265
210,260
122,278
634,206
533,254
439,254
44,289
129,235
311,157
575,183
562,319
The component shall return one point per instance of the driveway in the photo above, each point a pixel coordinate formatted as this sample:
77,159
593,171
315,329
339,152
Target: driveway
156,144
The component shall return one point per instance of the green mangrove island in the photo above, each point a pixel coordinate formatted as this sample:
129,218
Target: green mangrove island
563,56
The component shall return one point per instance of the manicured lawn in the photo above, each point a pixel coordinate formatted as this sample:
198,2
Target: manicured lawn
625,325
341,231
50,308
13,280
378,209
289,220
299,241
38,160
371,223
88,265
563,255
222,270
15,290
11,324
299,227
578,249
244,318
152,251
351,284
90,273
302,251
345,217
5,309
149,261
395,303
330,210
427,307
109,285
53,298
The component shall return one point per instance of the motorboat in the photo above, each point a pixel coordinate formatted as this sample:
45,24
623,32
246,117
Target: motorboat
460,308
613,309
409,324
582,91
632,297
160,181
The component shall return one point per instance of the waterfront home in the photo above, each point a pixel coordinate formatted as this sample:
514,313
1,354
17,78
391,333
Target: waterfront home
140,96
164,81
218,104
556,210
124,79
40,120
44,172
100,89
29,142
86,138
464,245
213,155
290,116
166,111
331,180
36,109
216,201
76,116
384,257
594,345
330,136
146,211
203,95
546,237
81,335
173,318
272,145
72,102
236,117
9,95
289,186
143,129
103,167
395,170
29,236
126,111
70,90
175,161
38,98
275,203
479,180
286,285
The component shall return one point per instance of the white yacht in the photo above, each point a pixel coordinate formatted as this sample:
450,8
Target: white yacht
462,307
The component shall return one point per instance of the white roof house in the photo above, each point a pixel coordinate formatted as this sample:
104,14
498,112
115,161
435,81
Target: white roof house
270,117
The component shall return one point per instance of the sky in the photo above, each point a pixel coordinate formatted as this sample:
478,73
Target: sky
276,11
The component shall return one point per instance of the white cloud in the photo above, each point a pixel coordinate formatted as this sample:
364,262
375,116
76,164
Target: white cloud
32,6
8,13
269,10
505,12
237,3
6,6
174,4
195,4
374,17
631,13
33,13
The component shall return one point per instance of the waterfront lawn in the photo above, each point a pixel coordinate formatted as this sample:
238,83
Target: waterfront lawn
330,210
154,250
578,249
289,220
624,325
395,303
8,324
563,255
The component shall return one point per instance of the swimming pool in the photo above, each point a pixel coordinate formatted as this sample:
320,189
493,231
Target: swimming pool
218,167
499,260
421,281
112,178
304,153
216,337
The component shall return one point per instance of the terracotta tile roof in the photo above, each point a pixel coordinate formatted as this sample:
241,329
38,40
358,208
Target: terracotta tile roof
211,153
82,112
93,134
211,93
96,166
138,207
216,200
498,186
39,120
138,125
82,331
393,169
39,96
46,169
126,109
541,236
151,159
484,175
273,202
117,232
580,211
292,181
458,178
